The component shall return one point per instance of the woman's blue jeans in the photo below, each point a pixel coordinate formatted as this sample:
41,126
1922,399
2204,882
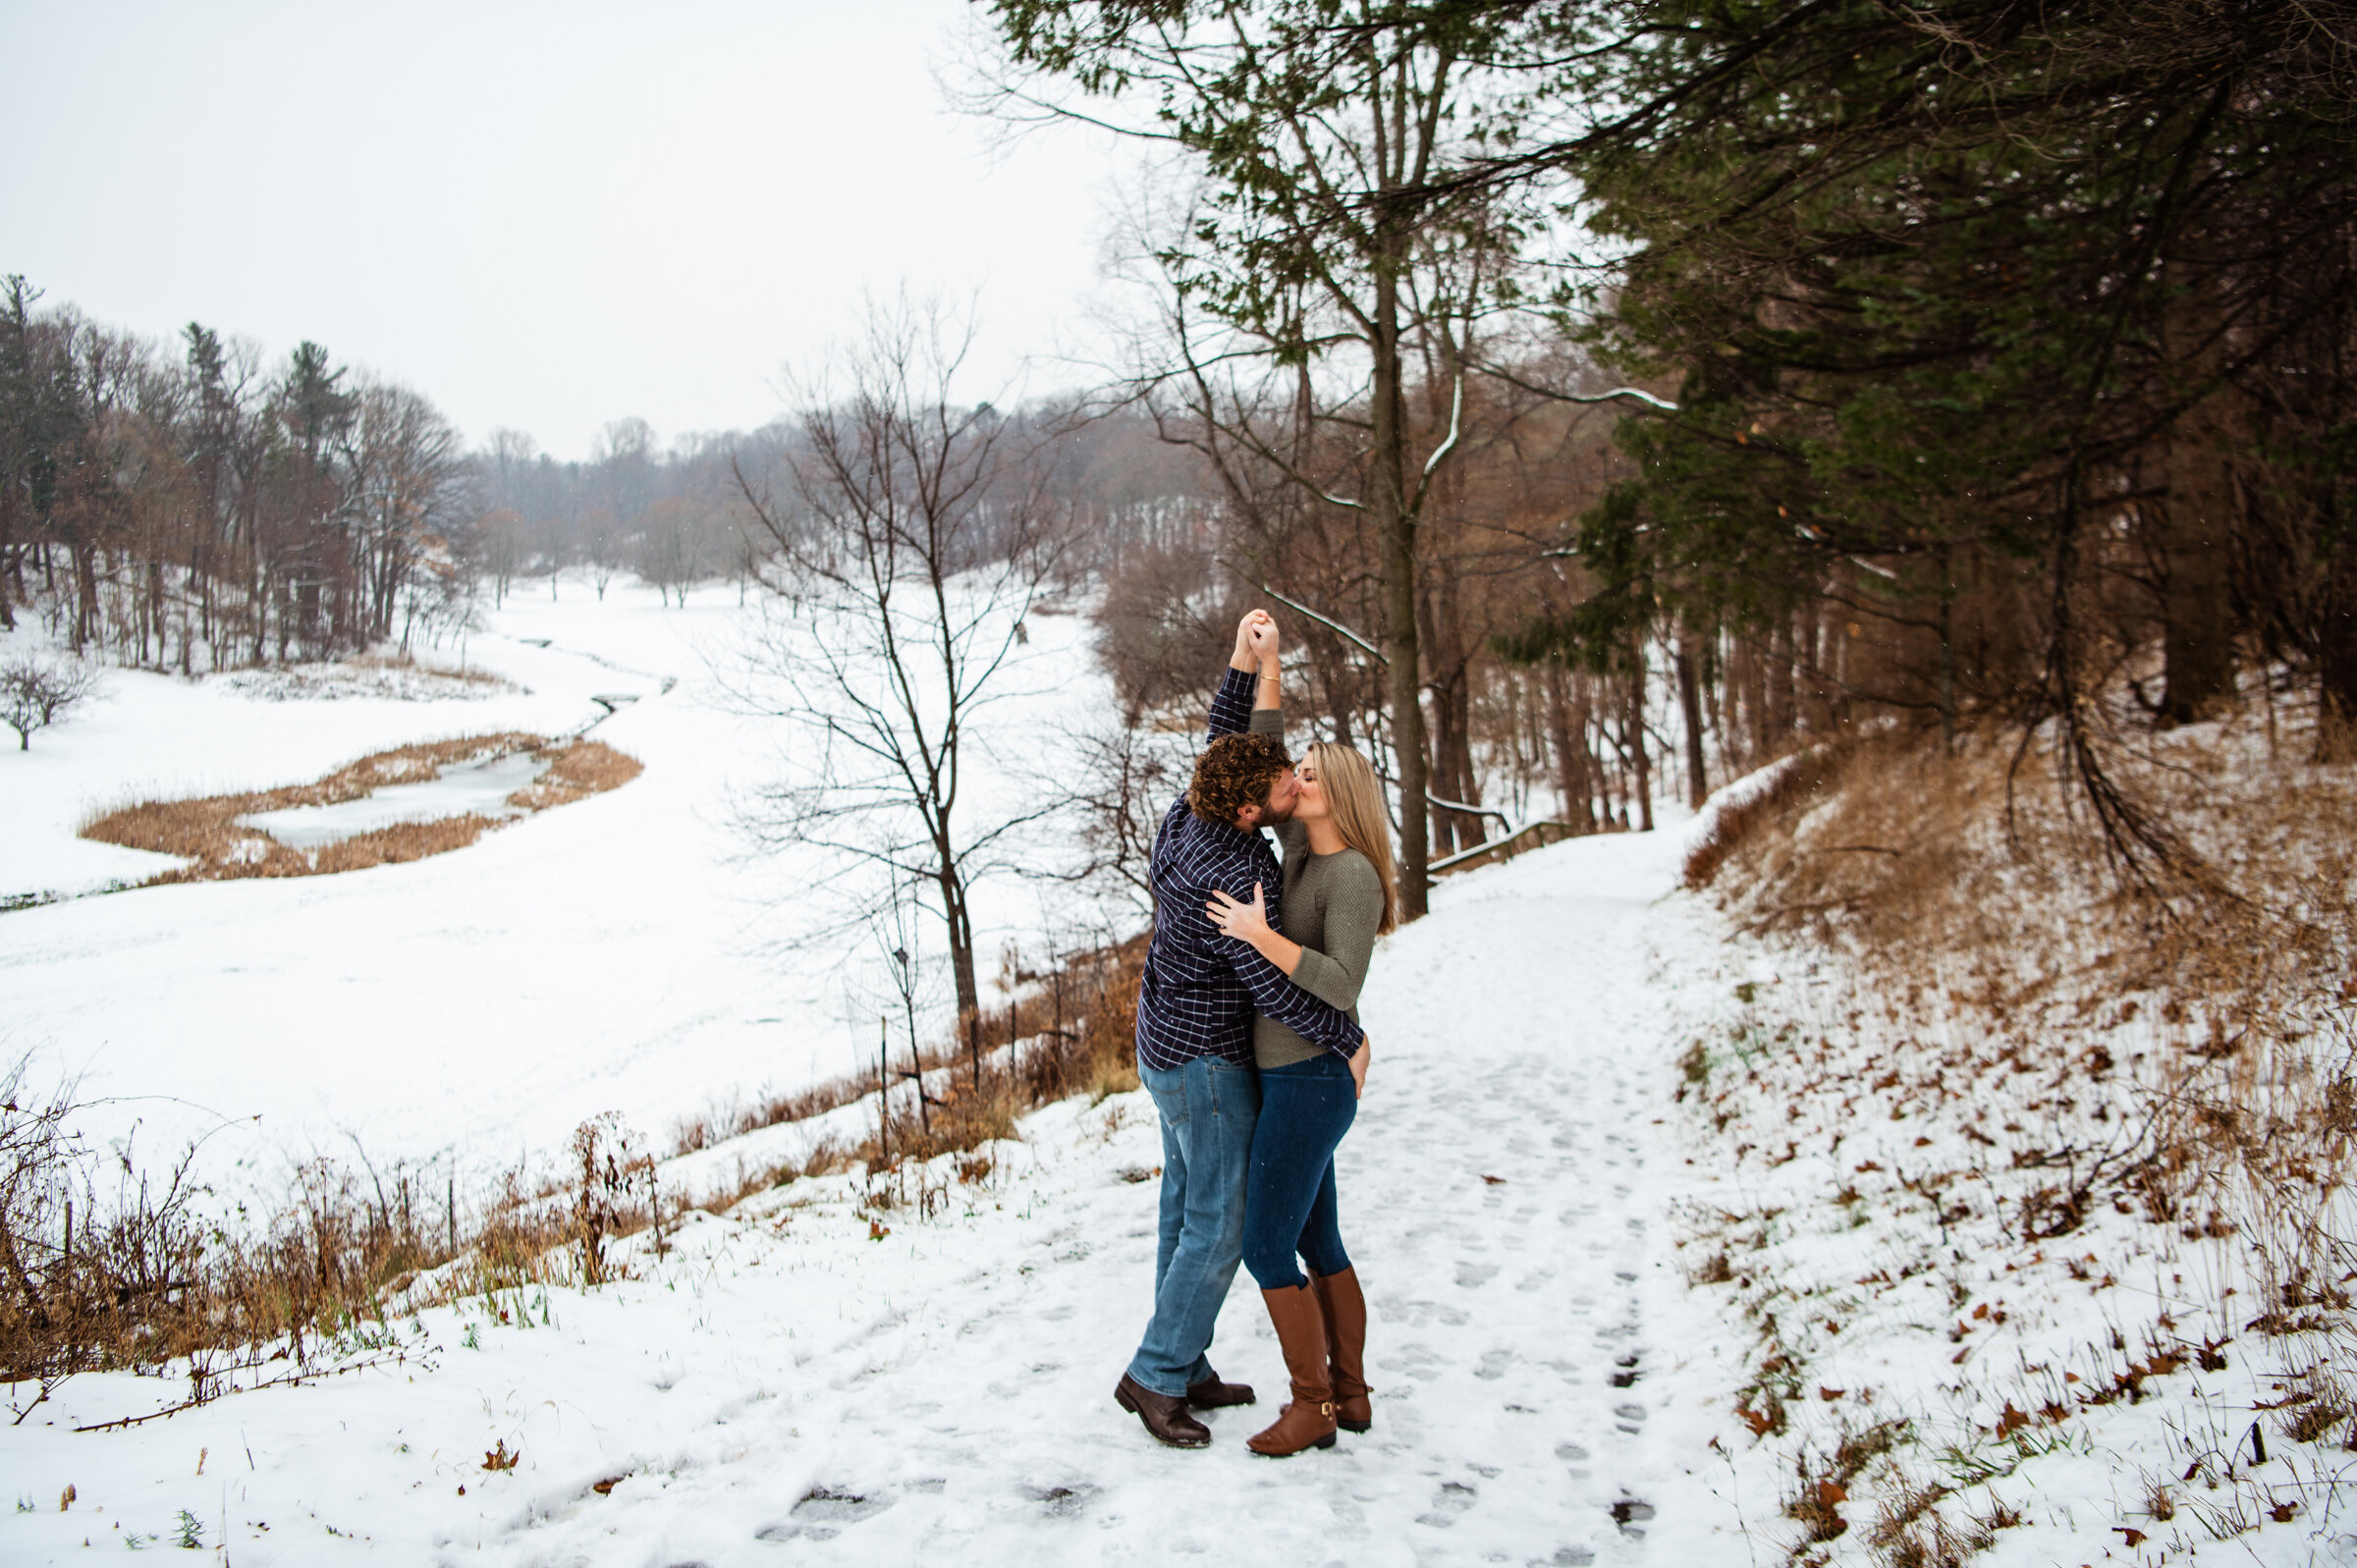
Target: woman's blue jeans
1208,1110
1306,1107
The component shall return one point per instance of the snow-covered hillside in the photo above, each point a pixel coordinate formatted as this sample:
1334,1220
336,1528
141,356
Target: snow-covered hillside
783,1388
619,954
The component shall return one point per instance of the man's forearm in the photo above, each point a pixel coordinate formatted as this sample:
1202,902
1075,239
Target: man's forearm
1299,1011
1230,705
1286,954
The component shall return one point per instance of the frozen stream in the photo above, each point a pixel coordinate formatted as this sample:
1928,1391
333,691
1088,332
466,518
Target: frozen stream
479,789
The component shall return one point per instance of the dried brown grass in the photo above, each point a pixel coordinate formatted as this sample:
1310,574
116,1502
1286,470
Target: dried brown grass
1804,778
1984,889
104,1264
206,833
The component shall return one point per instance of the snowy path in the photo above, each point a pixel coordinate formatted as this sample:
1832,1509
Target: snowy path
785,1390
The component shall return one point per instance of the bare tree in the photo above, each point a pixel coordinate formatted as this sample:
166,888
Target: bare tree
36,692
901,567
1121,781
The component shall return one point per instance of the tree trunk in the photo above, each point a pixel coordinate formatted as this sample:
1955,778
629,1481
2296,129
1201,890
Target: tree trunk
1387,507
1689,702
1636,741
1452,716
2196,606
959,920
1783,710
1569,734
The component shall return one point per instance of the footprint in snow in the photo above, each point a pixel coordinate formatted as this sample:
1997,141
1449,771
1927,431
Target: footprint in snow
1492,1365
1628,1418
1452,1499
1628,1513
1416,1314
1417,1360
1624,1374
823,1513
1062,1502
1474,1276
1565,1557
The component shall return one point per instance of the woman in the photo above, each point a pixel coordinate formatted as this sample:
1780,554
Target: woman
1340,896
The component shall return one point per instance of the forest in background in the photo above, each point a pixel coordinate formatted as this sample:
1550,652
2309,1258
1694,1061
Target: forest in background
1611,390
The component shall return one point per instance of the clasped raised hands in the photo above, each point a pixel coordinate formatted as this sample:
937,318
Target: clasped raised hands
1256,641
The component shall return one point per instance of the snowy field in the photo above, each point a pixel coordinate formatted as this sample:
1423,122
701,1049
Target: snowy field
817,1377
620,952
780,1389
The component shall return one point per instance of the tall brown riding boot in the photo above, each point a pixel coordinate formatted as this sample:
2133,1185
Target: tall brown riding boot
1346,1312
1307,1420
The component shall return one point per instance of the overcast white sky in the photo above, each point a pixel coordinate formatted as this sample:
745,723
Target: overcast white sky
543,216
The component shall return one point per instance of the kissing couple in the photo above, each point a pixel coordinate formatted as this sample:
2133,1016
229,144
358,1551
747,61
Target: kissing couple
1248,1040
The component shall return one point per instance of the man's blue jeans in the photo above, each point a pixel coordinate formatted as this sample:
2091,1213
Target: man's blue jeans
1208,1110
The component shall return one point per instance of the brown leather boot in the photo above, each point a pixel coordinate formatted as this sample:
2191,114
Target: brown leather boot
1345,1313
1166,1417
1209,1393
1307,1420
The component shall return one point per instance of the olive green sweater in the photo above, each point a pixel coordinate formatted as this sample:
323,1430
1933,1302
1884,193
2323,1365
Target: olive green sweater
1331,905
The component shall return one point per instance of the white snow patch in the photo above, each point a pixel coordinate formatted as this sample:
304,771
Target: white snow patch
477,788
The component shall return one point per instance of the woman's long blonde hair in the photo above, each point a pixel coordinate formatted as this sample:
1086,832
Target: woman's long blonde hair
1356,802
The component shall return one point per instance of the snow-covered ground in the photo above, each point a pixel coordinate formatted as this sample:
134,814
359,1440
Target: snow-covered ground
623,951
782,1388
1588,1092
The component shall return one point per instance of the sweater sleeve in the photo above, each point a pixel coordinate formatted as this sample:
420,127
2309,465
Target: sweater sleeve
1354,909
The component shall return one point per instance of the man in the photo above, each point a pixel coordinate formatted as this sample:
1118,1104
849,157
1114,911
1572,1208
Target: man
1194,1035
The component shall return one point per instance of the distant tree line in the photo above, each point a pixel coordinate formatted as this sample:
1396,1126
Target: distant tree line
196,508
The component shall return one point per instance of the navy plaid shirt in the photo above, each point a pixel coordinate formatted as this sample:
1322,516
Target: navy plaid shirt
1202,987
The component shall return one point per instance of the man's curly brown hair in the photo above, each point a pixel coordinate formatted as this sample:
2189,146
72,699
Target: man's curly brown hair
1235,772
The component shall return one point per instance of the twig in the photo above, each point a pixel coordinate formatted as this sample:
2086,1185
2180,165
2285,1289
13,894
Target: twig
125,1421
